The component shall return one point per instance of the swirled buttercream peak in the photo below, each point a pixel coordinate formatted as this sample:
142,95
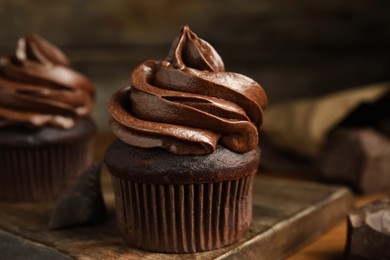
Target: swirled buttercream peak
38,87
187,103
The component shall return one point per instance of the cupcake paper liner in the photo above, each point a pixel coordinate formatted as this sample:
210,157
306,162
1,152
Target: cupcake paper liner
41,173
183,218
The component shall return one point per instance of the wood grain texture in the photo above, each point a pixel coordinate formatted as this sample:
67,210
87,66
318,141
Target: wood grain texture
271,24
293,49
286,216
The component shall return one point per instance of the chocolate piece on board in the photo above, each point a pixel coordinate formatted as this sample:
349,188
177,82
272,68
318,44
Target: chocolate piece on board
82,203
359,158
369,231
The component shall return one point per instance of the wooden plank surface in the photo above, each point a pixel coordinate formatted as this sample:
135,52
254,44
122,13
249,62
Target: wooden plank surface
287,215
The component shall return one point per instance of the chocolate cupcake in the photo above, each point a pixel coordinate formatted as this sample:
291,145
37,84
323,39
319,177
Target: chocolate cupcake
186,150
46,133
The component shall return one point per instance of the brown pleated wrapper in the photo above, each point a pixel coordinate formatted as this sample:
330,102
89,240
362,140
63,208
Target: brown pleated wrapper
183,218
42,171
181,204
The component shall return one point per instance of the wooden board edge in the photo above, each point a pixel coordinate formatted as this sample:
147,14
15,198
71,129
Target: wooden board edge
325,214
15,247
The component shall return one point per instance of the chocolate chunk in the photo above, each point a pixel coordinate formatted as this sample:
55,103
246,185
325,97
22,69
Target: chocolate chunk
82,203
369,231
359,158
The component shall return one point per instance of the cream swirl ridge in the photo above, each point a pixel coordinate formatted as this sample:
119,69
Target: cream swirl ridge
38,88
187,103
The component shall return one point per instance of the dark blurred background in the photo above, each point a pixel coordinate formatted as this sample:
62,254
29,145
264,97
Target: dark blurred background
294,49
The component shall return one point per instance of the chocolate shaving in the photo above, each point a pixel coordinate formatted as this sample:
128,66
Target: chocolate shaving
82,203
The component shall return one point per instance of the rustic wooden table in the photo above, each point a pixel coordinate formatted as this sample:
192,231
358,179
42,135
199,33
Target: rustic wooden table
331,245
288,215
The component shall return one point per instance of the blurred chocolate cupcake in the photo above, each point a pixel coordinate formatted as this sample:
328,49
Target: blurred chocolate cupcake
46,133
186,150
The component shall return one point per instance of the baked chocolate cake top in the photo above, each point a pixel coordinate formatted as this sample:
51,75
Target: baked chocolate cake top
156,166
187,103
38,88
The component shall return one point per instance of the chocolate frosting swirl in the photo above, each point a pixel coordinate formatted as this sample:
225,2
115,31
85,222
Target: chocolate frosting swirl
187,103
38,88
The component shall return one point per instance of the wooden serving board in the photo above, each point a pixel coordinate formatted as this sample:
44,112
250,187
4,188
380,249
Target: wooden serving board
287,215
